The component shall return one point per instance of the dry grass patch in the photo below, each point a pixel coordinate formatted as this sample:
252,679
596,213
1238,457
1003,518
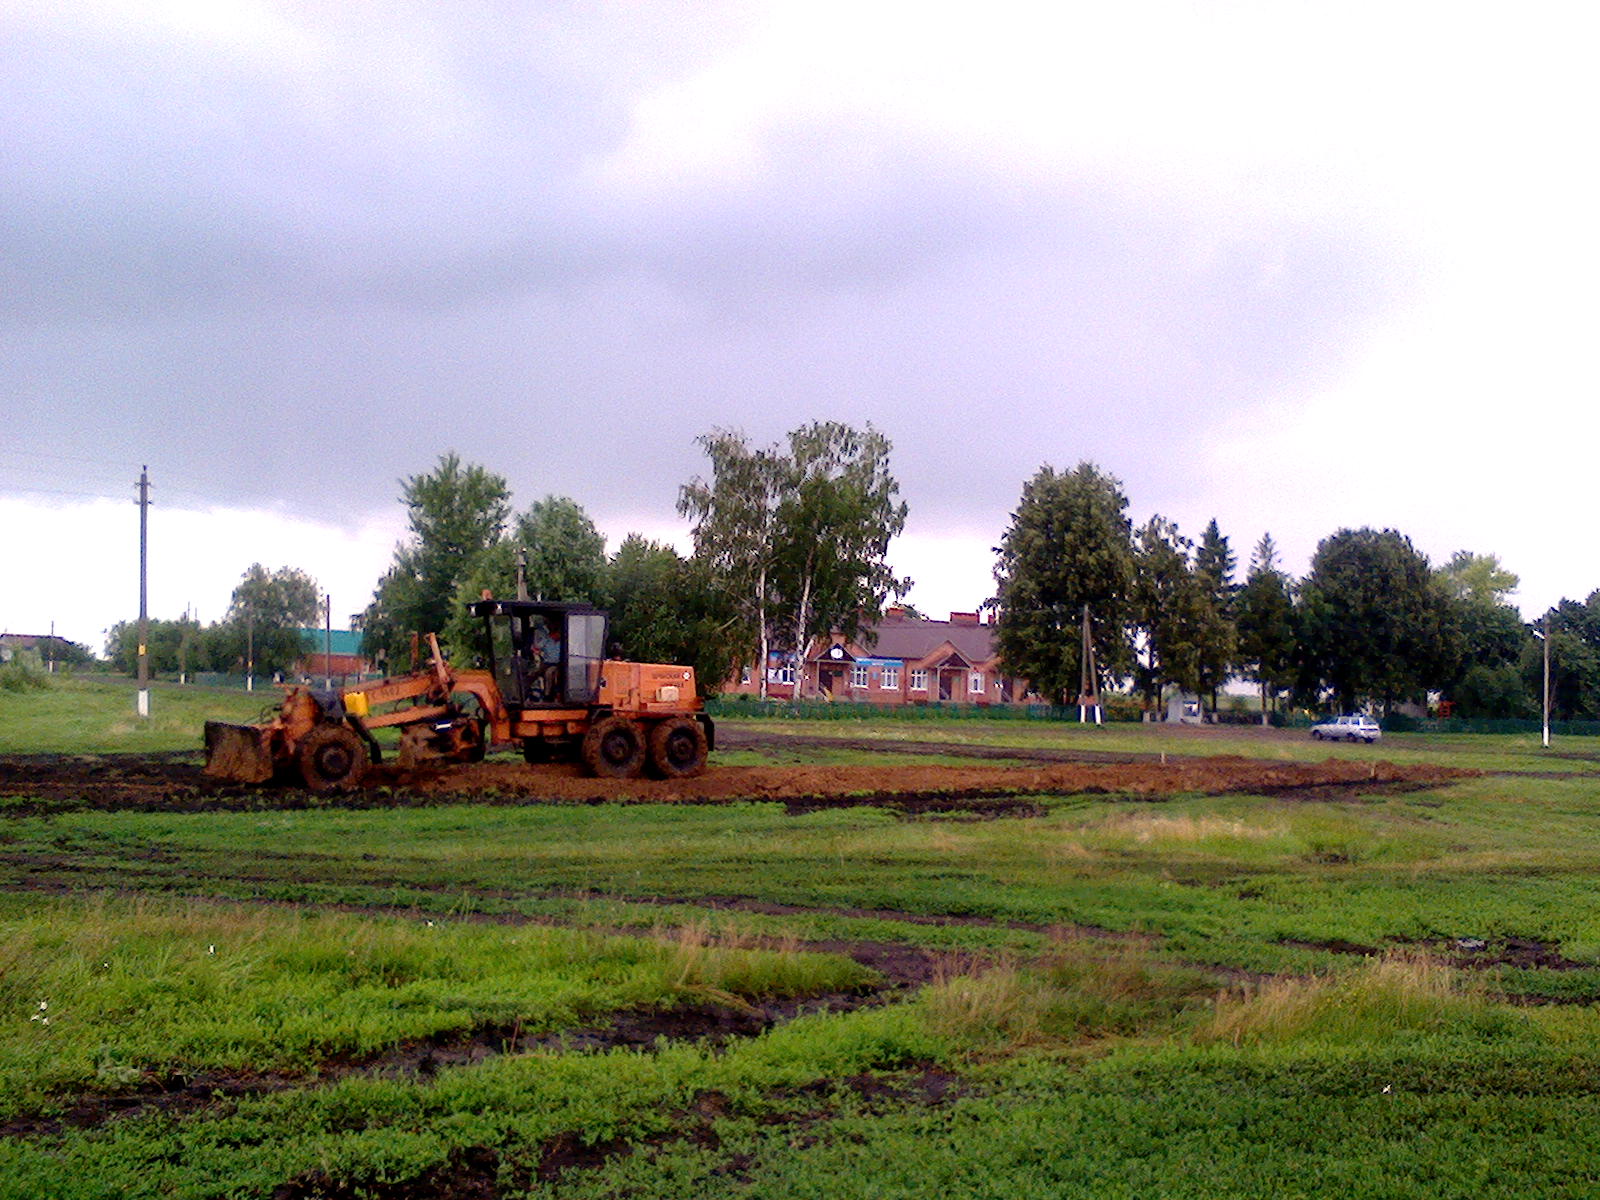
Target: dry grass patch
1080,990
1403,990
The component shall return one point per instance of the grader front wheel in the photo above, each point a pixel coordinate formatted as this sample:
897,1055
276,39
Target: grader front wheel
332,759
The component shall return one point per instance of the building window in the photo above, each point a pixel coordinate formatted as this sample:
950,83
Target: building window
975,684
783,674
891,679
858,676
919,679
744,676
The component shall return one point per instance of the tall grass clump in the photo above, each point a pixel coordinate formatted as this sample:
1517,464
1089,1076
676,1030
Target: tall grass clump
1078,991
1401,992
725,966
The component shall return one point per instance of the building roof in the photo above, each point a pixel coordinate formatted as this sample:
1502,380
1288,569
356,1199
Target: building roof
345,641
909,638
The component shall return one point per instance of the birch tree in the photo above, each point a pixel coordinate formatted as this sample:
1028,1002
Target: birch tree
840,510
735,514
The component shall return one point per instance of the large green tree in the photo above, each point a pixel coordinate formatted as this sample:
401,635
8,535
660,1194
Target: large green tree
1491,638
665,608
1265,618
455,512
1574,631
565,558
265,615
839,510
1376,624
1068,545
1218,646
1172,610
1477,577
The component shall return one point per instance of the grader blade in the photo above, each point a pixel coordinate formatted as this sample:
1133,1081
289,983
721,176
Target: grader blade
239,752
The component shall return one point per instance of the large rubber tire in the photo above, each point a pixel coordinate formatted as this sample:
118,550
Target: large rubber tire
472,734
677,748
614,749
332,758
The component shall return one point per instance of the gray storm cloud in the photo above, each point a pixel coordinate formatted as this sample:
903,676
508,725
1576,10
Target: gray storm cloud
261,262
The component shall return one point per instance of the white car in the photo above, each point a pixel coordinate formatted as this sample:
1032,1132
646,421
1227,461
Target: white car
1352,727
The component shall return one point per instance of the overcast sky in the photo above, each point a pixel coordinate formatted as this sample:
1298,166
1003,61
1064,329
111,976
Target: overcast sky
1298,267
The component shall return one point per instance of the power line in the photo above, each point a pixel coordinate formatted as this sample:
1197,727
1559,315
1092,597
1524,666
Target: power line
59,492
31,456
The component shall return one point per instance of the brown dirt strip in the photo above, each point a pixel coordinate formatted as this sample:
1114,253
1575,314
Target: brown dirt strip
768,741
163,785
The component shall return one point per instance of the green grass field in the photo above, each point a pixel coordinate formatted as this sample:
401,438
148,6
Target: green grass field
1388,994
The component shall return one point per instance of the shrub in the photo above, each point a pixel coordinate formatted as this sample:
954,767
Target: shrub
22,675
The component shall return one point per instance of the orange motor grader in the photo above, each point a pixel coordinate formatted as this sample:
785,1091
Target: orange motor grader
547,686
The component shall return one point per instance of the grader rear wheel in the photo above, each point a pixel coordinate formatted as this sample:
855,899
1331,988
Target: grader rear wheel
332,759
677,748
613,748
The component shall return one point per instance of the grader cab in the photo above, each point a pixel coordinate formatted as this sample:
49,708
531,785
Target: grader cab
546,685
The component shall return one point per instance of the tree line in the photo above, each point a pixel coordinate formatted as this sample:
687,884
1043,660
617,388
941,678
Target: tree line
260,631
790,541
1371,623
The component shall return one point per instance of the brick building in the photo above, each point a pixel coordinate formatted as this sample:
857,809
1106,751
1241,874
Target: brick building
346,662
900,660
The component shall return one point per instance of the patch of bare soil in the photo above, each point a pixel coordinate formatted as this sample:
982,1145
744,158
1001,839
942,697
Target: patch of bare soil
1525,953
470,1173
1472,954
47,783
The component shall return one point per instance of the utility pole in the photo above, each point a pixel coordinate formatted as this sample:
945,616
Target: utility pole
522,572
249,654
327,642
144,609
1546,640
1089,680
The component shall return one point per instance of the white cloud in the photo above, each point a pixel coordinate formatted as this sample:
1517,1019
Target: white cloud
76,564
